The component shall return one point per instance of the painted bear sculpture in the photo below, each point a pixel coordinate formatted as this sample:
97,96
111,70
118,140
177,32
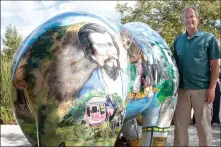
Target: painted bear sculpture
81,79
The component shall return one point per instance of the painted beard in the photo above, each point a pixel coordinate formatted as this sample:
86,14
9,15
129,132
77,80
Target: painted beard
112,72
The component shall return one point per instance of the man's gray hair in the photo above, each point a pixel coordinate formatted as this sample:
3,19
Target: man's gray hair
191,7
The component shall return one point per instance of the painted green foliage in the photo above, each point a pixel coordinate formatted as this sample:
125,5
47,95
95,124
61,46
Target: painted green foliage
61,31
28,126
133,71
40,50
165,90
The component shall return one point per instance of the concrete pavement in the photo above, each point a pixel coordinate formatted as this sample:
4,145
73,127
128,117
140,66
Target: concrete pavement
193,138
11,135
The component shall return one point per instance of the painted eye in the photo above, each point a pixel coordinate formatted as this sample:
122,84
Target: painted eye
110,44
100,45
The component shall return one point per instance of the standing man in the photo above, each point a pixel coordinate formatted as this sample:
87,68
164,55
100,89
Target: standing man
197,55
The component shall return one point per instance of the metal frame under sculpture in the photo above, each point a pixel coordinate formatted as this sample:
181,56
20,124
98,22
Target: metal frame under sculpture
80,80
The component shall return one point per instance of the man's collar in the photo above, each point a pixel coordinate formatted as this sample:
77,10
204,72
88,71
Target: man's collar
197,33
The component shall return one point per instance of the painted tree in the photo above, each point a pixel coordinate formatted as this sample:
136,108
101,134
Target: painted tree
165,16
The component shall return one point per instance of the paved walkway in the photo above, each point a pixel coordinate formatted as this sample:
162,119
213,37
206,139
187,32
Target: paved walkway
193,138
11,135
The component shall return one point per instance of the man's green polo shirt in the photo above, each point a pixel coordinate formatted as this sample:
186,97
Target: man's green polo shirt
193,59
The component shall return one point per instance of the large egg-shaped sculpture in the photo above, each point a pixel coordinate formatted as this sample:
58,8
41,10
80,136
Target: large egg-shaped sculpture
77,76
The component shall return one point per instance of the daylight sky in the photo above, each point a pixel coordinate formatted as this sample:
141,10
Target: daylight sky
27,15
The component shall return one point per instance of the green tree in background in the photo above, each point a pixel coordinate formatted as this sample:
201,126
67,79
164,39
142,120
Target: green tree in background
165,16
11,41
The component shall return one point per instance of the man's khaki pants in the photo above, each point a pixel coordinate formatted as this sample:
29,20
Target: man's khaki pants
188,99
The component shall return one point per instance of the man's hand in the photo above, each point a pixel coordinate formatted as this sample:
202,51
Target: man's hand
210,95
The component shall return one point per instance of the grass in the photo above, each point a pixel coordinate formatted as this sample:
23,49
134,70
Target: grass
7,116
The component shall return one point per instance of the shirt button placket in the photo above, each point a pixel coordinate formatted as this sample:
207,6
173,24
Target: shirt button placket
184,65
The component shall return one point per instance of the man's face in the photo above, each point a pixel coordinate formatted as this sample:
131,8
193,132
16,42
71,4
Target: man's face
105,53
190,19
103,48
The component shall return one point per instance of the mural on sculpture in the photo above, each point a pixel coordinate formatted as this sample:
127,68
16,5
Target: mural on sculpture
79,76
153,84
72,87
153,73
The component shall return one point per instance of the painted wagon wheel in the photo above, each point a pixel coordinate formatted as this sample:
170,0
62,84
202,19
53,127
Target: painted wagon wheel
82,130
